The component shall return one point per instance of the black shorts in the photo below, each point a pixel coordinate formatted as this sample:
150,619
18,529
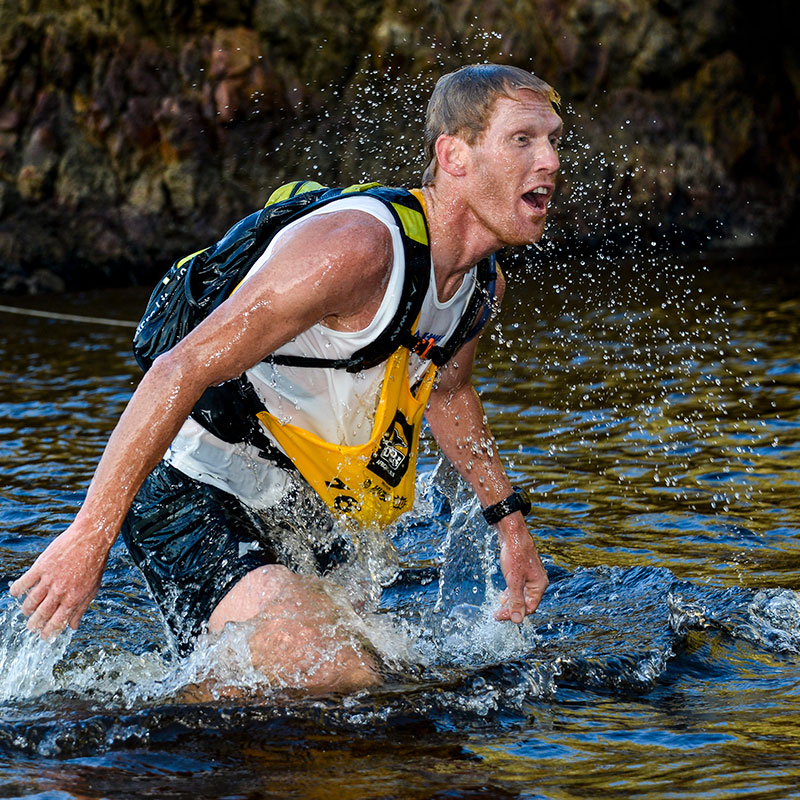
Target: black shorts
193,542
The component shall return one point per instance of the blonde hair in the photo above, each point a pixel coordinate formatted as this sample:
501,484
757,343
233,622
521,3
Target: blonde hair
462,102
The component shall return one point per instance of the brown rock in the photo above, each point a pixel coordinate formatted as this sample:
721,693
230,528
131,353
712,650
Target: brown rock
235,51
9,119
161,121
138,123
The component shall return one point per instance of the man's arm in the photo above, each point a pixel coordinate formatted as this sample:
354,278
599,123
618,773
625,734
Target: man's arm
457,421
331,268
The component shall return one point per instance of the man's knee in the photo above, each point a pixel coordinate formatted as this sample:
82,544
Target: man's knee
253,594
301,636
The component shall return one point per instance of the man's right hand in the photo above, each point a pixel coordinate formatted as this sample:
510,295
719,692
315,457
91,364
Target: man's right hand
62,582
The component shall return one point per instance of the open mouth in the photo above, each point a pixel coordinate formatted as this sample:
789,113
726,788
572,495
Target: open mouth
538,198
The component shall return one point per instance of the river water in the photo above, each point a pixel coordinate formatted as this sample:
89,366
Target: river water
653,408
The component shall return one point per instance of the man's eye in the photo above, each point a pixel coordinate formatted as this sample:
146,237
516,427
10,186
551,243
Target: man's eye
555,141
521,138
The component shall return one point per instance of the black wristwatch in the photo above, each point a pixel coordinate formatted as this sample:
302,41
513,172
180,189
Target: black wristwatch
518,501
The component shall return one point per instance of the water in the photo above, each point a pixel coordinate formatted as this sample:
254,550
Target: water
653,409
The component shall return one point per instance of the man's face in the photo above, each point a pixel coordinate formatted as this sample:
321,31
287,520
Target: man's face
512,168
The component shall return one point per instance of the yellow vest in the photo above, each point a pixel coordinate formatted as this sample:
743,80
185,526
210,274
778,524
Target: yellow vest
373,483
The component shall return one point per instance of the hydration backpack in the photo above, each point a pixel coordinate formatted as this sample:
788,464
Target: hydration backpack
198,283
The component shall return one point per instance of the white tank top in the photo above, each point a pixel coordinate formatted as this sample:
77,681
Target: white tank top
334,404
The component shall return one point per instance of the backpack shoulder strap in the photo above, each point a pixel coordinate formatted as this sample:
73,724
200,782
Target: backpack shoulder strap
410,218
229,411
476,315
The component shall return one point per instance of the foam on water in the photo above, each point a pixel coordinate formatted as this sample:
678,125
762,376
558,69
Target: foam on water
768,618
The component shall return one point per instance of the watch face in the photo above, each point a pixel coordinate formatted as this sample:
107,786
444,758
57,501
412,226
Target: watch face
525,500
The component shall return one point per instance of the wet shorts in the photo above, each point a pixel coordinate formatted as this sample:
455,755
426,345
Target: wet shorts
193,542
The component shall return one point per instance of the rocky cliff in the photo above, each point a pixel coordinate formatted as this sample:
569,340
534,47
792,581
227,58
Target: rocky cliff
133,131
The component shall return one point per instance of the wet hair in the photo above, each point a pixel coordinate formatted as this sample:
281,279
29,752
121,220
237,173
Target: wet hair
462,102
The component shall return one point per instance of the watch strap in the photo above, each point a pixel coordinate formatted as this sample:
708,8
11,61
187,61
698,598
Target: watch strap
516,501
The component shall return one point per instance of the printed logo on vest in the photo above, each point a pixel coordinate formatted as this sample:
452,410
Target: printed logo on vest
343,503
391,459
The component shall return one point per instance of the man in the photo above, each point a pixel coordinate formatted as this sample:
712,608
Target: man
328,281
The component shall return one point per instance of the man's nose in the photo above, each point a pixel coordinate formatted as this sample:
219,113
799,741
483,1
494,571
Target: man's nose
547,159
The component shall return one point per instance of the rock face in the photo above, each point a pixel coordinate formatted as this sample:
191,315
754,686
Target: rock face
137,131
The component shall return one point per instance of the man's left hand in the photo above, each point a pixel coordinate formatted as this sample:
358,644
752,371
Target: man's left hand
525,576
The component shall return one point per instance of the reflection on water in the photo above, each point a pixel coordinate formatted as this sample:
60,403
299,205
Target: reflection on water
653,411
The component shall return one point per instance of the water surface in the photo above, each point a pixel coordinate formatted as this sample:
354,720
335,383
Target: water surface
654,410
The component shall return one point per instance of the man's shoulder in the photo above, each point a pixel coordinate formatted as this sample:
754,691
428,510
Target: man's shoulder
339,243
356,228
396,208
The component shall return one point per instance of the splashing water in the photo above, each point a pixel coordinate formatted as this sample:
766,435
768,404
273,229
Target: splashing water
26,661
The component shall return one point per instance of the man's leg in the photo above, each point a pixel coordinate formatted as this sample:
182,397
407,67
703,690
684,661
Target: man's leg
207,562
302,637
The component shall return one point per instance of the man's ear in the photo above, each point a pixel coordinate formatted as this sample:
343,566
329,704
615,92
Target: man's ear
451,152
